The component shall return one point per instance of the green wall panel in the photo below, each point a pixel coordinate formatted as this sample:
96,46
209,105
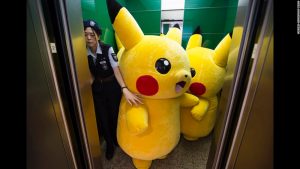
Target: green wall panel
143,5
102,17
209,3
148,21
166,28
208,40
215,17
122,2
88,9
147,13
211,20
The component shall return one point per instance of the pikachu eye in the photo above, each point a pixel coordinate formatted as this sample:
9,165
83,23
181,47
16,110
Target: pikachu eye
162,65
193,72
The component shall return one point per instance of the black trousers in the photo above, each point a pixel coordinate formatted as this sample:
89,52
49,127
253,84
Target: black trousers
107,97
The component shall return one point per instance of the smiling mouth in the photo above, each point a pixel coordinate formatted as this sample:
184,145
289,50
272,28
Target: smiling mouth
179,86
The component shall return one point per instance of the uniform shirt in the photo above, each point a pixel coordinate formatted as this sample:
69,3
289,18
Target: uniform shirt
102,64
111,55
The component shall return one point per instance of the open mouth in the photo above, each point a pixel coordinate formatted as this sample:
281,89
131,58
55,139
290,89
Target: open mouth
179,86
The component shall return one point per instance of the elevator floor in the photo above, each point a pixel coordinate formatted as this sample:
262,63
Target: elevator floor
186,155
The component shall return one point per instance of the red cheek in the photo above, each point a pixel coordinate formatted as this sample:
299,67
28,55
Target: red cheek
147,85
197,89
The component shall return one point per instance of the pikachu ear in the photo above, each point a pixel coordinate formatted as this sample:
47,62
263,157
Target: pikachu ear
124,24
175,33
221,51
195,40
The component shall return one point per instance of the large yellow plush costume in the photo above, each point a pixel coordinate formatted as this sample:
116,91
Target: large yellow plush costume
208,72
158,69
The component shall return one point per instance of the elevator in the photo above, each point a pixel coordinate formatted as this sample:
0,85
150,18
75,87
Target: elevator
61,130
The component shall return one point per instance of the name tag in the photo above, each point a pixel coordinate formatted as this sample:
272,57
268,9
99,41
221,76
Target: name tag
103,62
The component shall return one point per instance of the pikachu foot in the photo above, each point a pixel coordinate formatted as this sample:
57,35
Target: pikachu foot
162,157
141,164
190,138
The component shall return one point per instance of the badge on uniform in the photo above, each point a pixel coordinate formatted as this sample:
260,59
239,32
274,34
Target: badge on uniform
103,65
114,56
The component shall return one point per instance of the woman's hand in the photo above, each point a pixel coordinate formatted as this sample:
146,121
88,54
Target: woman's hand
131,97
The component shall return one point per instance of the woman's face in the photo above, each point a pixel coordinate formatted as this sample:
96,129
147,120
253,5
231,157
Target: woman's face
91,37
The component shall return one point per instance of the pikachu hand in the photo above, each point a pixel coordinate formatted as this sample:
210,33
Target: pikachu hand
137,119
199,111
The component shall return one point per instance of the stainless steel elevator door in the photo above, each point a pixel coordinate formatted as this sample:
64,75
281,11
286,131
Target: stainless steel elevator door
45,148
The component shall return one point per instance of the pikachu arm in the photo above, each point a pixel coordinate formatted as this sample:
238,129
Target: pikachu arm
200,109
137,119
188,100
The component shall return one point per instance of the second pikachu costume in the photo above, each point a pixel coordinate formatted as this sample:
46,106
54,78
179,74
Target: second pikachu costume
208,72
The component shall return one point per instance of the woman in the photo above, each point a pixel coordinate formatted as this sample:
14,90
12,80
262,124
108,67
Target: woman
107,86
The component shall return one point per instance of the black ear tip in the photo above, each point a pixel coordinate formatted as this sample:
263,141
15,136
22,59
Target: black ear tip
113,8
197,30
176,26
230,34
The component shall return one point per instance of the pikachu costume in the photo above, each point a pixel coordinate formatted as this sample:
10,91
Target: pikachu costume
158,69
208,72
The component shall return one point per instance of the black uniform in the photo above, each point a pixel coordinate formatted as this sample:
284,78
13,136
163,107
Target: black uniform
106,93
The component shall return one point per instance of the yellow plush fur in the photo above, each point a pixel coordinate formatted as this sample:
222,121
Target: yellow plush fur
152,129
175,34
209,66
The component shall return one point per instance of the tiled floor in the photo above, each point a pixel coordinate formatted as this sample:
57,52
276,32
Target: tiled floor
187,155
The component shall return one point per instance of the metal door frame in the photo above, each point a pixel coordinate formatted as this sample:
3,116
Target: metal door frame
234,89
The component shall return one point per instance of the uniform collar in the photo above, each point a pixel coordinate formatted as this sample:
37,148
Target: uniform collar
98,51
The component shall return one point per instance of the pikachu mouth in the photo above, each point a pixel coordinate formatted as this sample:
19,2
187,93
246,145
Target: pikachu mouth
179,86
